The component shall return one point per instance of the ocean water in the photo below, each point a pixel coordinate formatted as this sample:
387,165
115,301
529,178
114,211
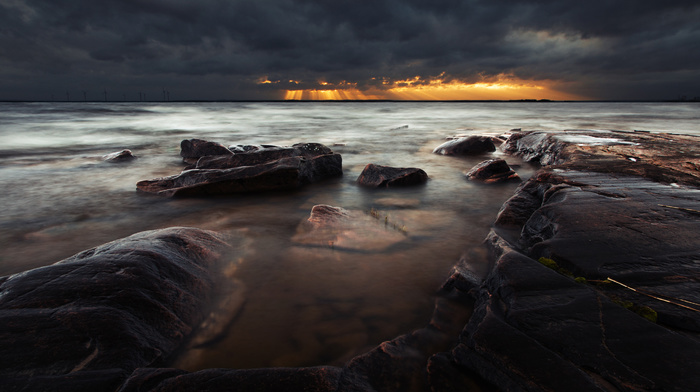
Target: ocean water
302,305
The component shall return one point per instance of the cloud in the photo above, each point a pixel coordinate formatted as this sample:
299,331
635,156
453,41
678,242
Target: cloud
218,49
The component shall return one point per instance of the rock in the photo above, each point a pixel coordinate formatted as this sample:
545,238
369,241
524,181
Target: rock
193,149
471,145
550,315
239,148
655,156
263,154
536,327
377,176
267,169
341,229
312,379
88,321
492,171
119,156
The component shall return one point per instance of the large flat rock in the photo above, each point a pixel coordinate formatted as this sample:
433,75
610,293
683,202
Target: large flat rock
257,170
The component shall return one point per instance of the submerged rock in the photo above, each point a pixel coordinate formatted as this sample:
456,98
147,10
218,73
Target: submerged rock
377,176
341,229
471,145
119,156
88,321
492,171
267,169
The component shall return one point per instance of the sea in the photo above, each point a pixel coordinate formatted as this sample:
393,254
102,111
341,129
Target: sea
300,305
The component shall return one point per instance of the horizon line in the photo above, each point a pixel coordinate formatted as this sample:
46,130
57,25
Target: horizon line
362,100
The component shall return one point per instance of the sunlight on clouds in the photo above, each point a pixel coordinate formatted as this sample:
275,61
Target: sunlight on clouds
328,95
454,90
342,91
501,87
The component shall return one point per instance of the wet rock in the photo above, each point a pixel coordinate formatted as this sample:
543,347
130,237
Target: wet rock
534,327
263,154
471,145
377,176
88,321
492,171
312,379
239,148
655,156
119,156
341,229
551,315
268,169
193,149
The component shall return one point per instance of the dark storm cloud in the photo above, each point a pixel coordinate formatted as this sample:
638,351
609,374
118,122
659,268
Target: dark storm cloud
220,49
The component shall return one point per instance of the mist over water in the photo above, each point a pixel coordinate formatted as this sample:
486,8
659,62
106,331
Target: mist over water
304,305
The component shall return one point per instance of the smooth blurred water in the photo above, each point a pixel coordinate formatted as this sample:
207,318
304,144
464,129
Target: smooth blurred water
303,306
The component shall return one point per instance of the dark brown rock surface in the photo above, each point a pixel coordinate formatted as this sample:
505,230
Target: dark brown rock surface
658,157
492,171
547,317
267,169
312,379
377,176
471,145
87,322
193,149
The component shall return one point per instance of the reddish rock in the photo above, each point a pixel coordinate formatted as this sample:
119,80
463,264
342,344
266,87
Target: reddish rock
492,171
471,145
376,176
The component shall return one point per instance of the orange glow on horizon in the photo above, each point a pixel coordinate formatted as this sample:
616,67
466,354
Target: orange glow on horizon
500,88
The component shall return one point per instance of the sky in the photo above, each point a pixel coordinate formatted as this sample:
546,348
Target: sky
349,49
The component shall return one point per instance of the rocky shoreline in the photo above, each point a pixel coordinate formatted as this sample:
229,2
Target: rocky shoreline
594,285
